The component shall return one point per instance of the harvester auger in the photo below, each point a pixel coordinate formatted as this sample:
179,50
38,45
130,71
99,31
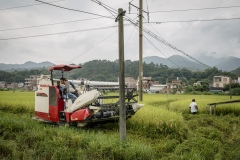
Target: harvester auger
94,105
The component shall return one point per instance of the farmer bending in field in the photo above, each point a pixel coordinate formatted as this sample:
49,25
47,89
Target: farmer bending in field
193,107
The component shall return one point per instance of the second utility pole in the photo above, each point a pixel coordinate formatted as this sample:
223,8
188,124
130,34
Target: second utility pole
140,83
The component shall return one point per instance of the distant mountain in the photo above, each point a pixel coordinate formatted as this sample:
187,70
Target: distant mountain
26,65
226,63
229,63
176,61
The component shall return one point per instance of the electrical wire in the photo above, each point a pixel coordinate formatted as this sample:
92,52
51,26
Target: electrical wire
167,58
129,37
165,42
95,45
76,10
174,51
195,9
50,34
163,47
103,4
110,9
203,20
49,24
159,50
28,5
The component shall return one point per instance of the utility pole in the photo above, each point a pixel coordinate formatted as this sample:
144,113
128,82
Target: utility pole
14,82
230,87
140,85
122,109
167,87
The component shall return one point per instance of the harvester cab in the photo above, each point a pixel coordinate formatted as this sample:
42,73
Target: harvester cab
91,107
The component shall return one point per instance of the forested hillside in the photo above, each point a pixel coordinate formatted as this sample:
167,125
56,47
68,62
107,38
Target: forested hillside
104,70
19,76
236,71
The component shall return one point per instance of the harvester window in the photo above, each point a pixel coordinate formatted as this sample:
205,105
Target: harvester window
52,96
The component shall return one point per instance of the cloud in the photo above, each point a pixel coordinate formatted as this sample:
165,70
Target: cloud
221,37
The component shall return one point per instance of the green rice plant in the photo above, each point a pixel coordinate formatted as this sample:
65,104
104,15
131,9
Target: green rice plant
156,120
7,149
161,129
199,148
182,104
226,109
17,102
34,140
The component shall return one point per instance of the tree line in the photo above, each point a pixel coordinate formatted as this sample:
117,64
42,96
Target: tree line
105,70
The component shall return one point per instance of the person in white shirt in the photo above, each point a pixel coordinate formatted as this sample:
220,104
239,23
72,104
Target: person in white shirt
193,107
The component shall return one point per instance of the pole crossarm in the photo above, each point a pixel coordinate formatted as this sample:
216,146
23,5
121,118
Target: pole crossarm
130,4
139,8
120,14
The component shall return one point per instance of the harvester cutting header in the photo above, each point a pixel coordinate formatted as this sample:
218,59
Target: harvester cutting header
91,105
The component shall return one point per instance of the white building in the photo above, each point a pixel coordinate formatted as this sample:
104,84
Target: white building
220,81
157,88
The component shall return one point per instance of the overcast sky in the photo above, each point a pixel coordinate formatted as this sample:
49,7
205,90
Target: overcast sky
214,38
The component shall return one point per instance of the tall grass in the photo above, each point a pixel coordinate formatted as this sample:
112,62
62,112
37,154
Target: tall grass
17,102
34,141
162,129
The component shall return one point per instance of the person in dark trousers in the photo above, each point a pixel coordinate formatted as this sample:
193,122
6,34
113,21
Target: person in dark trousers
193,107
66,88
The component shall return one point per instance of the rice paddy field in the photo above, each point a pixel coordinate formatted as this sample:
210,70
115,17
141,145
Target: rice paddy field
162,129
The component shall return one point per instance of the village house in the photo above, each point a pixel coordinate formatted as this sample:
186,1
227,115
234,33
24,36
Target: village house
198,83
220,81
2,84
130,82
30,82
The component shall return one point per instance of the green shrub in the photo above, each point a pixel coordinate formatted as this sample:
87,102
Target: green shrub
236,91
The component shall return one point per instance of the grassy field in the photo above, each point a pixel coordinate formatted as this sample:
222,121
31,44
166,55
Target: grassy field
162,129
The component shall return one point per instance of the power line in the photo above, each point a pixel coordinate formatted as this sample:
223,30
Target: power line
163,47
166,57
49,24
169,57
195,9
110,9
76,10
100,3
202,20
28,5
50,34
95,45
166,43
159,50
129,36
171,46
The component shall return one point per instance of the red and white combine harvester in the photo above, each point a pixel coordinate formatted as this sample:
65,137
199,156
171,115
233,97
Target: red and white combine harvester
91,107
